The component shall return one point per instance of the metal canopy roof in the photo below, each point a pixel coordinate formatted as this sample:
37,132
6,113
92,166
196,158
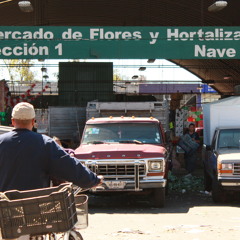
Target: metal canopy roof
224,74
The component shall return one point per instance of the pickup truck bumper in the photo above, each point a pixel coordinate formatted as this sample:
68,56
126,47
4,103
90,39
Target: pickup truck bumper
230,183
130,185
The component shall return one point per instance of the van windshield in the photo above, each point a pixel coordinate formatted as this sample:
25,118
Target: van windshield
229,138
122,133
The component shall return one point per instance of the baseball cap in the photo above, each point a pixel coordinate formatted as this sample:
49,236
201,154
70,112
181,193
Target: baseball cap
23,111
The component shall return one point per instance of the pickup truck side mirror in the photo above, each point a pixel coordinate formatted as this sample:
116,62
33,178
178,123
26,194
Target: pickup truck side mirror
207,147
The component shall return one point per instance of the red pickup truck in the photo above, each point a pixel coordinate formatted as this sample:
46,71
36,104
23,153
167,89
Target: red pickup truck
130,152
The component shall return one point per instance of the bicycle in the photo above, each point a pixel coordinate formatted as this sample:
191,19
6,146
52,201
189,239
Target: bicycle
44,214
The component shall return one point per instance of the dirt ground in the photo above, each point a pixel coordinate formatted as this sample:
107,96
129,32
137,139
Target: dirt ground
188,216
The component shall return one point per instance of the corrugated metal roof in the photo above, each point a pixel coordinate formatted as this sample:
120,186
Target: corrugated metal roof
121,13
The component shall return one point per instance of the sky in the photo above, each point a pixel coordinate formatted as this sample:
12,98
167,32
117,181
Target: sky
160,70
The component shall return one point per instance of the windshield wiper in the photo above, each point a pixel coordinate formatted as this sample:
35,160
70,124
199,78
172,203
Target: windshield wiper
96,142
130,141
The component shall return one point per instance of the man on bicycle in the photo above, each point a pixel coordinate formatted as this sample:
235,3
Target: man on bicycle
28,159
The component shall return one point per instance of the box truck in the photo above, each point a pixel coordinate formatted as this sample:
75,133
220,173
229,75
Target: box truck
221,158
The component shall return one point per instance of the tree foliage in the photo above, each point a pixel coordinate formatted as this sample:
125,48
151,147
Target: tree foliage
116,75
20,69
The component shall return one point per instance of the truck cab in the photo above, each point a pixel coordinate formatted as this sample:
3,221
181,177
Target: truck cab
130,152
222,162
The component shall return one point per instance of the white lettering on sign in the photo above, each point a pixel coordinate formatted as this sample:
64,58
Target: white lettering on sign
69,34
24,50
99,33
59,49
40,34
184,36
217,34
154,37
34,42
203,51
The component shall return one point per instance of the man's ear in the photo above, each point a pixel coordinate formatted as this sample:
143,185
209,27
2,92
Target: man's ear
13,122
33,121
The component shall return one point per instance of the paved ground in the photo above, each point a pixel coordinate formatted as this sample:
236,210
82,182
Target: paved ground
188,216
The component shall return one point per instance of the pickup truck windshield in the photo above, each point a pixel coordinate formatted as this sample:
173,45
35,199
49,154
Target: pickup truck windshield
122,133
229,138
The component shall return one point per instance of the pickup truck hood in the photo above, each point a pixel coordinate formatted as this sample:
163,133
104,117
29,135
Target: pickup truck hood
229,154
119,151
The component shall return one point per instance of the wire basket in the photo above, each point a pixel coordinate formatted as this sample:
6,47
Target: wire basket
81,202
37,211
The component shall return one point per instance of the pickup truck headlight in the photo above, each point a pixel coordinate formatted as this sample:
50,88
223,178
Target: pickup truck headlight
227,166
155,165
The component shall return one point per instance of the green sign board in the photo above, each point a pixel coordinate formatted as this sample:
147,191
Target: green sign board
68,42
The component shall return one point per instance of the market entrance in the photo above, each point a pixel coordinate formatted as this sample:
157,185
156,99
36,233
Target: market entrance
114,43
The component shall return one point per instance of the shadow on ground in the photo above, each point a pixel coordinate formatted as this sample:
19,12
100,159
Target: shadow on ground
184,194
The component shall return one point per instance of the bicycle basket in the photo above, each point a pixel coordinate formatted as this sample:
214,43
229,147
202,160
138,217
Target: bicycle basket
37,211
81,202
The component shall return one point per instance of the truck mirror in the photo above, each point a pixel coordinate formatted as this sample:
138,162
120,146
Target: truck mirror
207,147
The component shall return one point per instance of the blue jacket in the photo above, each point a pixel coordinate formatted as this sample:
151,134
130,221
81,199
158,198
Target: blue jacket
28,159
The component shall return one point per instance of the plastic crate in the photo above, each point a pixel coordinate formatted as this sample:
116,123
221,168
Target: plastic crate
81,202
187,144
37,211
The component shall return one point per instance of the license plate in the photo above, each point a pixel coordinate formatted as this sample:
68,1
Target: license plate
115,184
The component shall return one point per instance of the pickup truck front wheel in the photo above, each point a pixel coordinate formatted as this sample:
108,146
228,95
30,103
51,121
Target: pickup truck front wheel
159,197
218,194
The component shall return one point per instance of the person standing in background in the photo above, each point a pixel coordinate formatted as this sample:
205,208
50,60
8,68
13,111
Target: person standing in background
191,157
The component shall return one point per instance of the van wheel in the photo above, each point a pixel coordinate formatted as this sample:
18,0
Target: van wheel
159,197
218,194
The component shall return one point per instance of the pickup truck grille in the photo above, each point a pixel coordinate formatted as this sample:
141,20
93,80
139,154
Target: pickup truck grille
117,169
236,169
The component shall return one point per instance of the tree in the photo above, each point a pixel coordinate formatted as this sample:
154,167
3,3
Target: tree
116,75
20,69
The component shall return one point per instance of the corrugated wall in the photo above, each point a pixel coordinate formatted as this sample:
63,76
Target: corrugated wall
67,122
81,82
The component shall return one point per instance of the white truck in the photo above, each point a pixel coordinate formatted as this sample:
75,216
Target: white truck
222,147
